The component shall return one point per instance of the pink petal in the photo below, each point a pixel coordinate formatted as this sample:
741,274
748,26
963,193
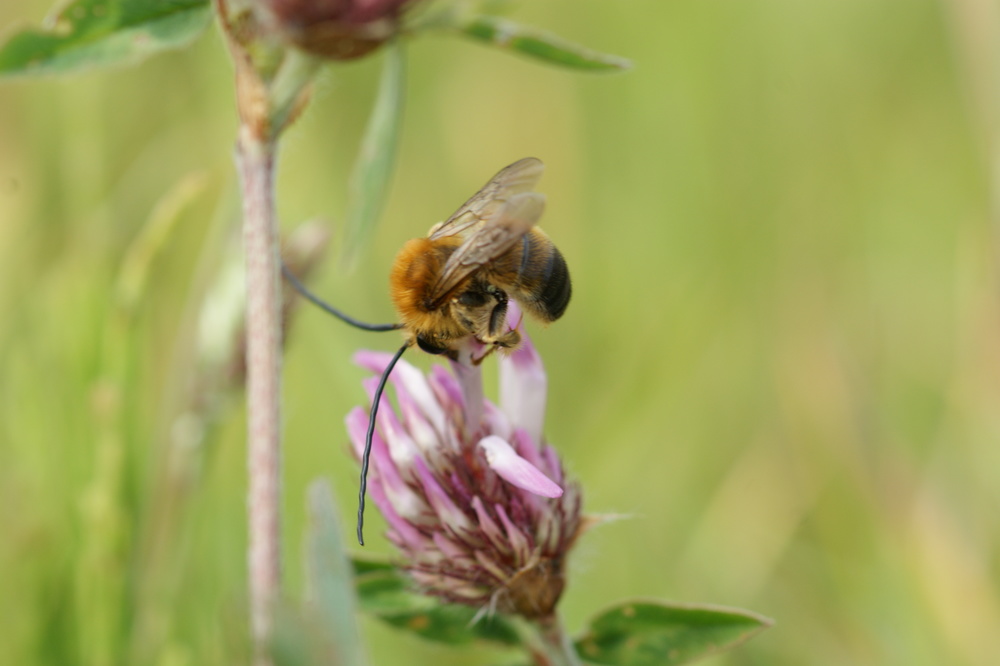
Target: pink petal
408,504
446,387
524,447
491,565
523,388
555,467
373,361
496,421
424,435
402,448
527,449
357,426
470,379
488,525
514,469
405,532
369,384
450,515
410,384
516,536
383,472
409,380
456,555
546,534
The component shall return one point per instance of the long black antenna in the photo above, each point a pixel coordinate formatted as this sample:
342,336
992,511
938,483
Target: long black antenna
368,441
316,300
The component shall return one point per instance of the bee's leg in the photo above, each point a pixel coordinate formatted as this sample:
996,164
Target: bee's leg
489,350
498,316
508,342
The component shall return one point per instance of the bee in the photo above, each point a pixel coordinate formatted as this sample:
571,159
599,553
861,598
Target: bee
456,284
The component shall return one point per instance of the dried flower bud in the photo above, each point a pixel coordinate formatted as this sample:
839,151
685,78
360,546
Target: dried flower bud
477,504
337,29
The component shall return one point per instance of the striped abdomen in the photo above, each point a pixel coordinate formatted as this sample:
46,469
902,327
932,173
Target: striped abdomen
534,273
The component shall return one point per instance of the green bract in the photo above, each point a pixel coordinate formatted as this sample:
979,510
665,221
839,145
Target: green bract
386,592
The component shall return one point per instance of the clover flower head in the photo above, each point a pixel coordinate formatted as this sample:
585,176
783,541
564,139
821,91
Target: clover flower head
337,29
476,502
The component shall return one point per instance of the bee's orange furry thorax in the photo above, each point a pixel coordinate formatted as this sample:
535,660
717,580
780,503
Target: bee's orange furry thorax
417,267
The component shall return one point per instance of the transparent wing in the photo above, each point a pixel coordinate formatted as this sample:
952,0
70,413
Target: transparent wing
507,225
518,178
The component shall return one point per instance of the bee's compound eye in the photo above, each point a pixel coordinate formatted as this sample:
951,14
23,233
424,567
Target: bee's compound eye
429,346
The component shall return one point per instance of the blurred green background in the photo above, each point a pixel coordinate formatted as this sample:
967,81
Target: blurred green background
782,359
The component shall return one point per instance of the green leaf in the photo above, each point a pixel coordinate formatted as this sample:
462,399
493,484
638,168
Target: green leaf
650,633
384,591
538,44
369,183
138,264
363,566
295,640
91,33
330,588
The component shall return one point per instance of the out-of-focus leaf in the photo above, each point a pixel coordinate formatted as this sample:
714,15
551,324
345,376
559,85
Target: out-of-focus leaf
652,633
384,592
295,638
369,183
364,566
538,44
133,277
90,33
330,587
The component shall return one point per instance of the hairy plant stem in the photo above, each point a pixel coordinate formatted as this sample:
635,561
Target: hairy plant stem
555,646
255,162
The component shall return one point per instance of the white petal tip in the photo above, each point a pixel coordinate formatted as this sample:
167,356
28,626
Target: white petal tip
512,468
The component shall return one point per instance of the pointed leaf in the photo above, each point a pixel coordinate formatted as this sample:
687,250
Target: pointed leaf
89,33
538,44
369,184
652,633
330,588
384,592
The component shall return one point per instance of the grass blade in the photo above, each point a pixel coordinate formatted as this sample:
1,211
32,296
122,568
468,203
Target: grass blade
369,184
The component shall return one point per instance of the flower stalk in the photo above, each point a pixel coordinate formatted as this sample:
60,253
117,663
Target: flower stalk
255,162
272,88
556,647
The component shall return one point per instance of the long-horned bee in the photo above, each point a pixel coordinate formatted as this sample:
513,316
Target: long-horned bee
455,284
